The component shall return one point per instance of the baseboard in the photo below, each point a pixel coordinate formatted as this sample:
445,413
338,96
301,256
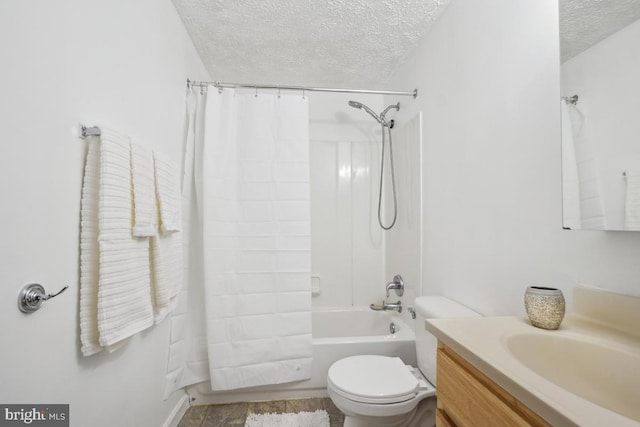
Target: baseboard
177,413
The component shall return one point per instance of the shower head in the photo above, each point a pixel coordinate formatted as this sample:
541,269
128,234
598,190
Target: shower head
379,118
356,104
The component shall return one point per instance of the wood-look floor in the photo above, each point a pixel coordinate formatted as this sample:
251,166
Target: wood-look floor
235,414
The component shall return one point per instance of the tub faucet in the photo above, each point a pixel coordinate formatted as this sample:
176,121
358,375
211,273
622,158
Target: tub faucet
397,285
397,306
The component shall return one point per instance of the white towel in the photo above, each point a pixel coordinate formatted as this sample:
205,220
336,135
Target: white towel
89,253
144,196
124,288
166,273
632,201
168,193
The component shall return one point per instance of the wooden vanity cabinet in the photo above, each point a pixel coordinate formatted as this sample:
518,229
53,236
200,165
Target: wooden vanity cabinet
468,398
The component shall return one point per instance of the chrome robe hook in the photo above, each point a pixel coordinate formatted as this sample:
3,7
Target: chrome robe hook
33,295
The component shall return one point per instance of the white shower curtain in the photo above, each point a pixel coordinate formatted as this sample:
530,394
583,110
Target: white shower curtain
249,252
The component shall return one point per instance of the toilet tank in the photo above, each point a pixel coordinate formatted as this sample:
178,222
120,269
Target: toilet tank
433,307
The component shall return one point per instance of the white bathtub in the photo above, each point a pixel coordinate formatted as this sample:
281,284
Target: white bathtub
337,333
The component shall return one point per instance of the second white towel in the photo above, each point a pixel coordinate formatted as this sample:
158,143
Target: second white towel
144,199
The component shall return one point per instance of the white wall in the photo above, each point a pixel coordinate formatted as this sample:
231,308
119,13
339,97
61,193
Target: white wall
605,77
114,63
488,80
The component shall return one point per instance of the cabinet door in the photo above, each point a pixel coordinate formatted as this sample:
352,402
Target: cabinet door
443,420
471,399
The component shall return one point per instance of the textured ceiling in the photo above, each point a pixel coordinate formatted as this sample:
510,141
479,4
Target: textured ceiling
348,43
584,23
333,43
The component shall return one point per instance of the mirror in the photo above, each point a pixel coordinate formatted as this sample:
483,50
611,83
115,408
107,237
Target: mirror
600,84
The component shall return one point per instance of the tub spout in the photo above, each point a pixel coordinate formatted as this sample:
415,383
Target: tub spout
397,306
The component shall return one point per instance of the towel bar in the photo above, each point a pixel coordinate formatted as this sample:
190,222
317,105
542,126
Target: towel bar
91,131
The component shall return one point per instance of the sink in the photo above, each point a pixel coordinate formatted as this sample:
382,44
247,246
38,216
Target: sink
603,374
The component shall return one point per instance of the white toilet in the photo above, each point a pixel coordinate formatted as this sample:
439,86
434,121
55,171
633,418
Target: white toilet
382,391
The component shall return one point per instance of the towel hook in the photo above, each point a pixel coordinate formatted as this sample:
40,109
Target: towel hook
32,296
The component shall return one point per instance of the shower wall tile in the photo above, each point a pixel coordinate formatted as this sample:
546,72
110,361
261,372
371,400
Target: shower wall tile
292,191
292,211
293,228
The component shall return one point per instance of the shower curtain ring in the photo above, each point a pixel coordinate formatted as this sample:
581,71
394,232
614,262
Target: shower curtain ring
278,92
256,91
303,94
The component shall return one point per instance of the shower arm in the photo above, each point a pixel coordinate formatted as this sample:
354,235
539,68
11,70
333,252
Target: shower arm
386,110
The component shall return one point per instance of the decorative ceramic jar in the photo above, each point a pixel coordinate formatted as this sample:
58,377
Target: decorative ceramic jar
545,306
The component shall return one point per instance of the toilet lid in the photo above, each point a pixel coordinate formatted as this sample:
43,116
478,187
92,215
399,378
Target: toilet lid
373,379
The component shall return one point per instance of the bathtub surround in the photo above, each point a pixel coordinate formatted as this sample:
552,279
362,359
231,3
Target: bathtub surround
346,242
352,257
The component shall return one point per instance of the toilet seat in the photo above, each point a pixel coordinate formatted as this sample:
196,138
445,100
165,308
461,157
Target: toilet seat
373,379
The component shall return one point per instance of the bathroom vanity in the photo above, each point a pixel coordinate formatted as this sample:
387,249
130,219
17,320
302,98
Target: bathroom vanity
467,397
502,371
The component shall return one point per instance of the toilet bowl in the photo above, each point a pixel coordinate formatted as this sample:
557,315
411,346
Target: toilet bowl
377,390
381,391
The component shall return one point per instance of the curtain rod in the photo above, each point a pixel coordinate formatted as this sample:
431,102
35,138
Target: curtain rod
219,85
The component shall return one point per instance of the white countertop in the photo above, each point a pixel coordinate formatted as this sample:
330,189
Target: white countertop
482,342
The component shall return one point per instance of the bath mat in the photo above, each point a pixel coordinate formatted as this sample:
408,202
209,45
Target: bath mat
319,418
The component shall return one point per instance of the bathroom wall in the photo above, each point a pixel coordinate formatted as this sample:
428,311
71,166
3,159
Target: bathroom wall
489,84
114,63
605,77
347,245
